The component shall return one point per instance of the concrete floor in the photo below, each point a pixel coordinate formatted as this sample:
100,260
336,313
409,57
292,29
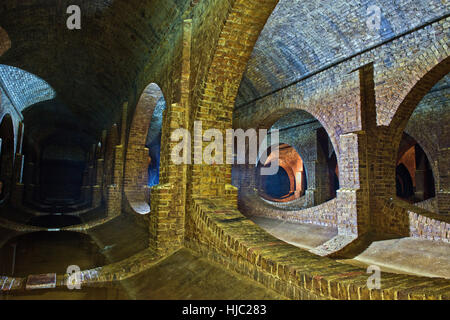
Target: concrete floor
405,256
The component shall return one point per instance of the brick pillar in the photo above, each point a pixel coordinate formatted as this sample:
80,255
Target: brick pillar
353,217
167,202
421,172
114,201
17,193
443,191
18,187
169,198
118,166
310,193
98,188
112,140
96,196
114,191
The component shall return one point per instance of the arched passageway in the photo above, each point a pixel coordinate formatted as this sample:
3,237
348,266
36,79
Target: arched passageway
414,176
289,183
143,150
61,173
423,143
308,172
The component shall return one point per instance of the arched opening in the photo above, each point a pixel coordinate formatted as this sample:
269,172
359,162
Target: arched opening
414,176
289,183
308,174
61,173
144,144
6,156
153,142
422,156
333,173
404,182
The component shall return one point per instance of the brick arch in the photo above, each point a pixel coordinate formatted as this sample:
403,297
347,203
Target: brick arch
262,119
419,75
302,153
5,42
238,37
273,115
418,91
6,155
287,161
278,107
429,151
390,136
136,160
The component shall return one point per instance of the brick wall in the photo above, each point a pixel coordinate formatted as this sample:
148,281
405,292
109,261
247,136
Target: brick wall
322,215
223,235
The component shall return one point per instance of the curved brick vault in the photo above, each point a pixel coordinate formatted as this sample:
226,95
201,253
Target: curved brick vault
242,64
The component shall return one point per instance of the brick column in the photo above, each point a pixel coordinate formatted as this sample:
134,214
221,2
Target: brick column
96,196
97,191
420,175
443,192
18,187
113,201
114,191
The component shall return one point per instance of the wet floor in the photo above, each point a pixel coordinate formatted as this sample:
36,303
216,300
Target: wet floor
181,276
49,252
54,221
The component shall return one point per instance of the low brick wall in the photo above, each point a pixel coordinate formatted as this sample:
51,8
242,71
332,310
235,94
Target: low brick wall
101,276
297,204
322,215
402,218
429,205
225,236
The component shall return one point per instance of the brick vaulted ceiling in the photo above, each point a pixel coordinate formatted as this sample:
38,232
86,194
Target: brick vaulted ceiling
92,70
302,37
